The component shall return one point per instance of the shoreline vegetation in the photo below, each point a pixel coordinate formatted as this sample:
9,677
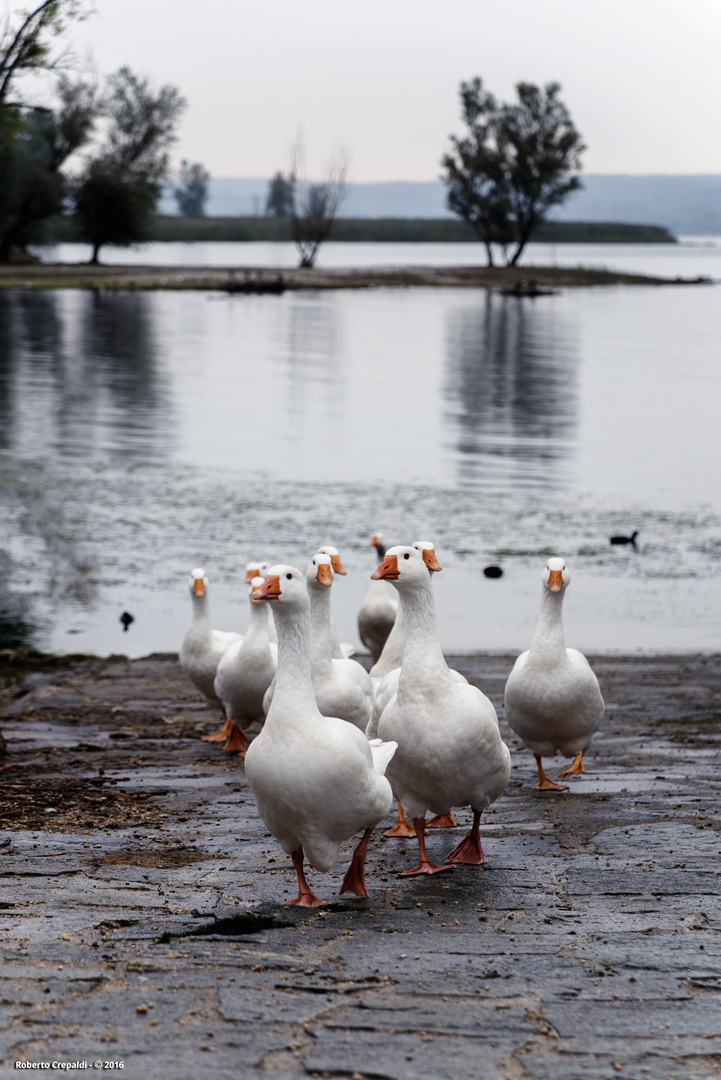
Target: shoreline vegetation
173,229
516,280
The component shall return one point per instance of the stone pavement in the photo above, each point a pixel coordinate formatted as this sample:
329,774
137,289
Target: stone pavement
141,916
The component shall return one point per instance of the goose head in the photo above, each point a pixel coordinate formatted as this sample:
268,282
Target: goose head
255,583
427,550
556,576
320,572
403,566
378,541
198,582
334,558
284,586
255,569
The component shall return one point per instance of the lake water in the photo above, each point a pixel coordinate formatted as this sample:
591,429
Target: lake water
142,434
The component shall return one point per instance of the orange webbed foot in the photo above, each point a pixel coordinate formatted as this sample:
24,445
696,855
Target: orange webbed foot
401,828
575,768
308,899
236,740
468,851
221,735
442,821
426,867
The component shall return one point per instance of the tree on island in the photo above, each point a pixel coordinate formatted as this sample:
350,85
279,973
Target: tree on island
191,190
315,204
514,164
36,142
279,202
118,189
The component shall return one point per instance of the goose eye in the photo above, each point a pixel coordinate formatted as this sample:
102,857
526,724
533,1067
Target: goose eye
289,576
406,556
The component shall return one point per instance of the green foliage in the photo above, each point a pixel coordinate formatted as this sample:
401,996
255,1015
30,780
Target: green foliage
191,191
34,143
280,196
513,165
64,230
117,192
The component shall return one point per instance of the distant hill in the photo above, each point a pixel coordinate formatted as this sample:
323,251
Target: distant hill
686,205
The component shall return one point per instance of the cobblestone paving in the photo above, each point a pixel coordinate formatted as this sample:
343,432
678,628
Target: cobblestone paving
141,916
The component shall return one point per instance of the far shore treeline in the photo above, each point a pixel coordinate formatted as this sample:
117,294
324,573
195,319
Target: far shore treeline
376,230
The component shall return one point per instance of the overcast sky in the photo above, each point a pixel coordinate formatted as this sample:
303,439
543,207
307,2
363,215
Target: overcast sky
380,77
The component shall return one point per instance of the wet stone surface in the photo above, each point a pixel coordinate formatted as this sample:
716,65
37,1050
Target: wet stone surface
142,917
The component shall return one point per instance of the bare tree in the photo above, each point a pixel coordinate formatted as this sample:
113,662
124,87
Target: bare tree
315,204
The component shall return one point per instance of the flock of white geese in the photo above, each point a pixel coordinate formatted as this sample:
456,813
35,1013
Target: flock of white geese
339,744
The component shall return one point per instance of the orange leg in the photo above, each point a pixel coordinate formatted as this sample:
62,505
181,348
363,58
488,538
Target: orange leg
401,828
354,880
222,735
576,768
544,784
236,739
441,821
469,850
425,866
305,897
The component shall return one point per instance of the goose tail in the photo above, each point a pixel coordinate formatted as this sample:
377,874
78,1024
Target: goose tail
382,754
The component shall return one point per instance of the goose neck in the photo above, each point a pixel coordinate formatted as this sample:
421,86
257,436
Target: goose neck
293,679
321,645
549,637
422,655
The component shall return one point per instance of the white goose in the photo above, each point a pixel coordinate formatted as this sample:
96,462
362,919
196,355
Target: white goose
342,687
387,686
377,616
202,646
340,650
316,779
553,701
253,569
245,672
450,751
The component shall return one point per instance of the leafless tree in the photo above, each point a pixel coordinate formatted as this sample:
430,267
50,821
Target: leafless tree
315,204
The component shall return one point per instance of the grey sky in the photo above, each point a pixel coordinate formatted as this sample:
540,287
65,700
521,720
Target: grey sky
380,78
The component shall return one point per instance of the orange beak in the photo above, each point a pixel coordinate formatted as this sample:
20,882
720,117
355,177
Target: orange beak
250,574
198,586
324,574
373,541
338,565
555,580
388,569
269,590
429,558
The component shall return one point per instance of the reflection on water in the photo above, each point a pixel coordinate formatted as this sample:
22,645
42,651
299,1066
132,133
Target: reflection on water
510,386
142,434
309,360
79,375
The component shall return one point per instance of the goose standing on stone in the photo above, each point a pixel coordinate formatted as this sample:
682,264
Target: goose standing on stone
377,614
202,646
553,701
316,779
245,671
450,751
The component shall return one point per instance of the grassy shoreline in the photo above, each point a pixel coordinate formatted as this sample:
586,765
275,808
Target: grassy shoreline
168,228
83,276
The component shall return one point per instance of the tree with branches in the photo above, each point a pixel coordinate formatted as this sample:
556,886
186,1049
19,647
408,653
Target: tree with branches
315,204
120,185
36,142
514,164
191,190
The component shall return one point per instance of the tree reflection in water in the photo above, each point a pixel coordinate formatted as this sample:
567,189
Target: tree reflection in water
80,375
511,390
